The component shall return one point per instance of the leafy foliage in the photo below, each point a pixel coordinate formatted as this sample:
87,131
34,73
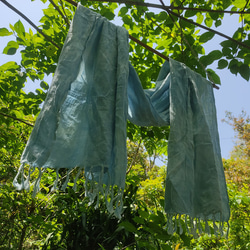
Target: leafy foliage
66,220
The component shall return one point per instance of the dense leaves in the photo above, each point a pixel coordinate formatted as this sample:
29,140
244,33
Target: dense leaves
65,220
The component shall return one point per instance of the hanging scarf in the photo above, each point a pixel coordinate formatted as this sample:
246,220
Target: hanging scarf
83,123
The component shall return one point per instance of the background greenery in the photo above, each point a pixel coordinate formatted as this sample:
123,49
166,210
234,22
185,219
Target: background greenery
65,220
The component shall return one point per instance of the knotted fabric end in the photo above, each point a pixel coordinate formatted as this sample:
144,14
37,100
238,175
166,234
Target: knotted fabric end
94,187
195,226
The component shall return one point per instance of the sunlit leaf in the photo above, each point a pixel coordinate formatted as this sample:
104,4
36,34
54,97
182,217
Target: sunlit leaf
11,48
206,37
5,32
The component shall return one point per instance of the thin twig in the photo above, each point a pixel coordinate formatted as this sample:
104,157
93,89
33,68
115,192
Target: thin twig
245,7
59,11
29,21
64,12
16,119
72,2
162,3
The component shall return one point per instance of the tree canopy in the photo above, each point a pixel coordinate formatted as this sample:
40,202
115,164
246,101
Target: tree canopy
181,29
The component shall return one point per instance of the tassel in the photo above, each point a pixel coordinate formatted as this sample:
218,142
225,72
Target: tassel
170,224
76,178
207,228
175,223
186,224
37,183
228,226
15,181
56,181
65,184
200,229
180,225
27,181
215,227
221,228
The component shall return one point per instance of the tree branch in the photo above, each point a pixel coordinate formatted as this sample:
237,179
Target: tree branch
59,11
167,8
245,7
149,48
30,22
17,119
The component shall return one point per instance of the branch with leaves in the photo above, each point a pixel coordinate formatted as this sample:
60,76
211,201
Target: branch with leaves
16,119
168,9
30,22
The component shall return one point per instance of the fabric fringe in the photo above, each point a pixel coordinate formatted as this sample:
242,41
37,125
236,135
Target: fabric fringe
93,188
196,226
114,201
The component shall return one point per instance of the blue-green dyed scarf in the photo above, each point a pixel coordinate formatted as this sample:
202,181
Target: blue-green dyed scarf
83,124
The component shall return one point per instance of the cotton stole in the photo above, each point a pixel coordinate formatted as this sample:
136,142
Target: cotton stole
83,124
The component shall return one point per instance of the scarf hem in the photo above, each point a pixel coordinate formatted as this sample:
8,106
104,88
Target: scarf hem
93,188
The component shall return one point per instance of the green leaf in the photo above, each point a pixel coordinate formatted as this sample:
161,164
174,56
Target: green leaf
44,85
206,37
233,66
123,11
239,3
200,18
209,22
109,15
19,28
11,48
128,226
244,71
222,64
211,57
163,16
27,62
226,43
217,23
50,50
212,76
5,32
127,20
190,13
215,55
9,65
226,3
